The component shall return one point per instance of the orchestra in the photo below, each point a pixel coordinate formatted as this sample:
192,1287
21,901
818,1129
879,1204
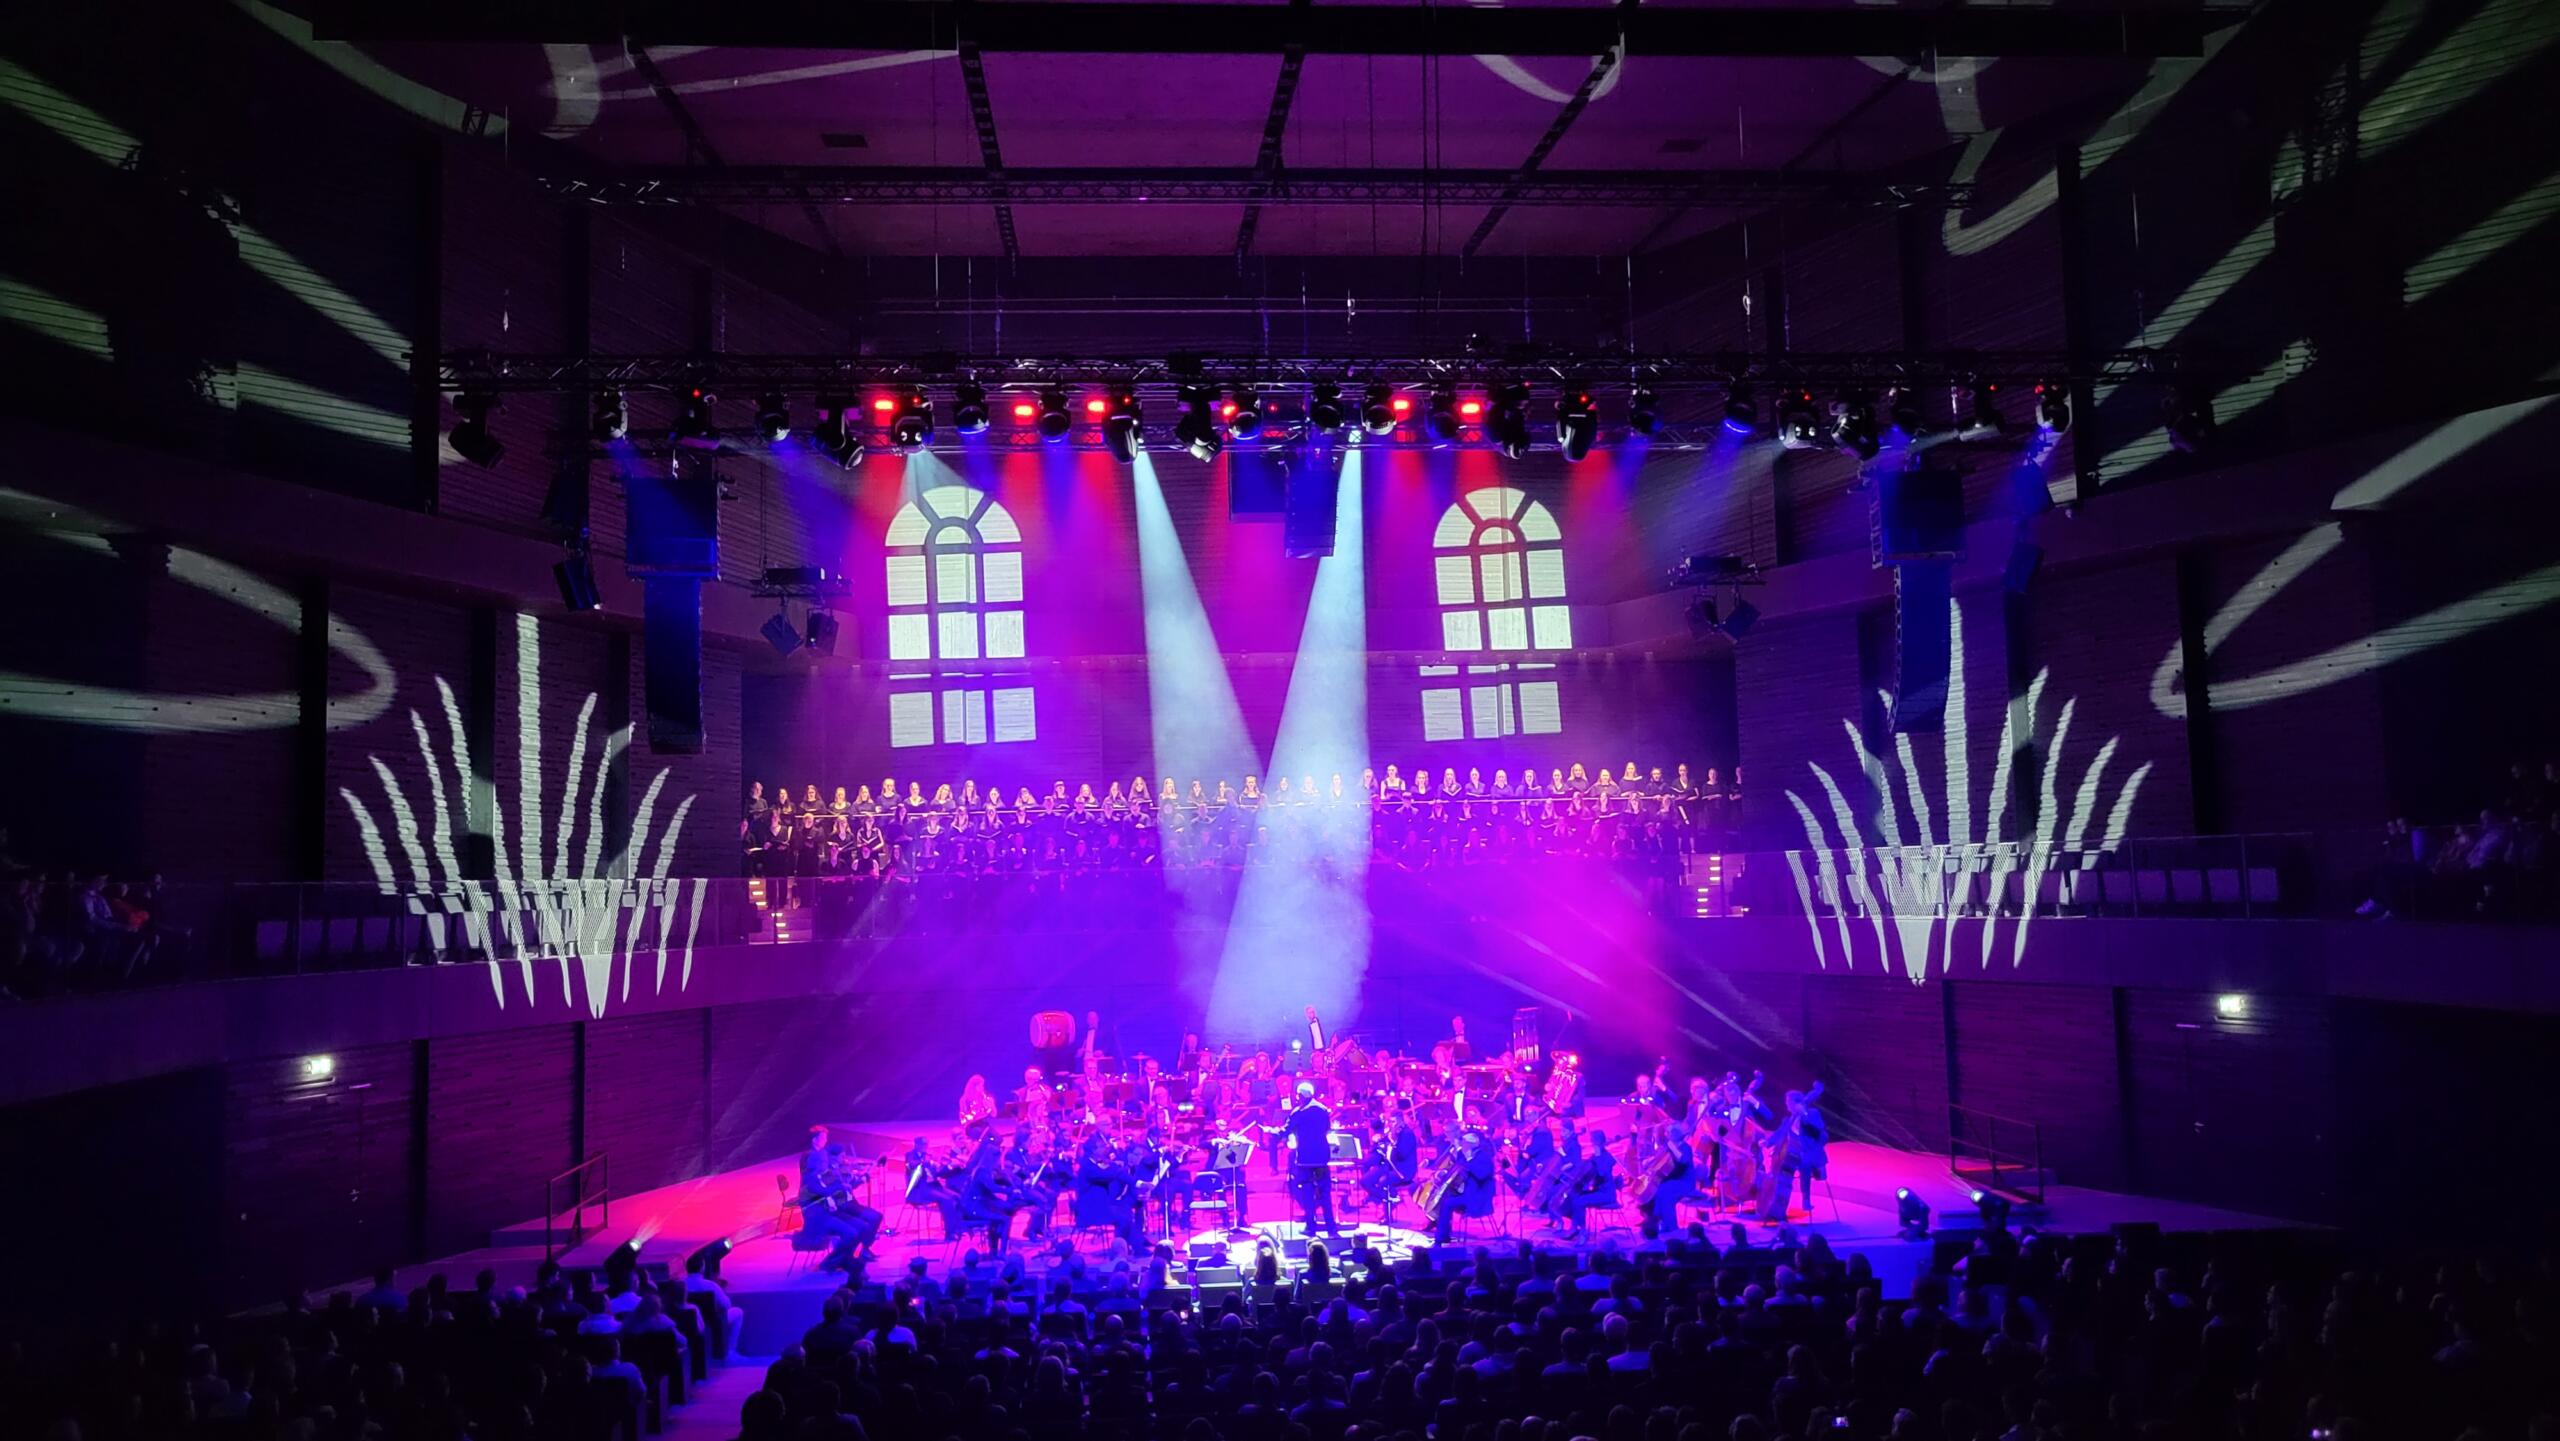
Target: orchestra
1130,1148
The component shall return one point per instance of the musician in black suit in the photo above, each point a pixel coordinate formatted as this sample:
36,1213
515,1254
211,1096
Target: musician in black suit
1536,1155
1033,1181
925,1188
819,1198
1678,1185
1393,1166
1591,1186
985,1197
1472,1195
1309,1136
1104,1192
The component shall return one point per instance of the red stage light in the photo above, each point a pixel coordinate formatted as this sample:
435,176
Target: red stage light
1096,406
884,405
1227,410
1402,403
1024,410
1471,407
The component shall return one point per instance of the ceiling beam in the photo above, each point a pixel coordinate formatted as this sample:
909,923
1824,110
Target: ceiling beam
1603,65
698,146
1150,27
982,112
1275,131
947,185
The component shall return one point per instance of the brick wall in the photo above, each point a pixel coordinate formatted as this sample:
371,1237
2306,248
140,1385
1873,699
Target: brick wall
425,641
2046,1055
645,1098
2238,1112
317,1171
500,1115
1882,1044
2102,632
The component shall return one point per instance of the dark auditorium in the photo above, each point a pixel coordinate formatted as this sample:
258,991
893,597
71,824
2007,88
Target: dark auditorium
1280,720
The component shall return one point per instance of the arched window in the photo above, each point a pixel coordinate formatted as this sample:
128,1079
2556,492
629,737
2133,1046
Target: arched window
1498,559
955,604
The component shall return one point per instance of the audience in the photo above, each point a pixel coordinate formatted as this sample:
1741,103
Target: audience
2034,1338
2503,865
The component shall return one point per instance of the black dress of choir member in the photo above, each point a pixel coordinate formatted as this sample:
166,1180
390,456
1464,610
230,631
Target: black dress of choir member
1472,1195
1310,1140
925,1188
819,1205
1594,1187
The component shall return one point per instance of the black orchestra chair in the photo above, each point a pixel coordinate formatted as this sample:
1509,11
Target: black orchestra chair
806,1245
1209,1193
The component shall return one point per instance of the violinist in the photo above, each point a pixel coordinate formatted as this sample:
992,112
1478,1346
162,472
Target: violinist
1032,1101
827,1205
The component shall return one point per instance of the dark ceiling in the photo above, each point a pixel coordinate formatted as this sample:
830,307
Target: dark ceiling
656,102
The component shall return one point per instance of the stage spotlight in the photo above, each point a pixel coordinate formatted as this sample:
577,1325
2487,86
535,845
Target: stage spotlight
624,1260
706,1261
1981,411
613,416
1441,418
1853,424
1741,410
1577,423
1798,426
1902,407
1383,409
1121,426
785,636
319,1068
1055,419
1994,1210
1509,425
1324,410
2053,406
912,430
969,408
773,418
1245,421
576,575
1913,1214
2231,1005
2188,418
1197,430
696,425
470,436
834,434
1644,411
1024,410
822,632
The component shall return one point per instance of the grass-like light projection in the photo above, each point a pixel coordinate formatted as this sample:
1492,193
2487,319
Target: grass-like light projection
1912,879
593,917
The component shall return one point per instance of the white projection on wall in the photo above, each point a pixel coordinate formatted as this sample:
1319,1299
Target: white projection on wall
592,916
954,575
1498,572
1912,871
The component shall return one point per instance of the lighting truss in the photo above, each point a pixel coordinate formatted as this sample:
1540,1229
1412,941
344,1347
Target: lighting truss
864,185
1154,377
1162,441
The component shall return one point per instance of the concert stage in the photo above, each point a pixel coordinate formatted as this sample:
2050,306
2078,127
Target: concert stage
781,1292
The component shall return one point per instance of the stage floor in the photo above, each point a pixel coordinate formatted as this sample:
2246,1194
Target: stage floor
781,1293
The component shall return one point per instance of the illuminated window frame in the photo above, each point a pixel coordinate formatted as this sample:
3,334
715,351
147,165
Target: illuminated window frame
954,589
1498,574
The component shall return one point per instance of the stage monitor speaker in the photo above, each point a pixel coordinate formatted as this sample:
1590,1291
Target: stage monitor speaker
1739,620
1923,596
781,634
671,663
1919,515
1257,482
673,525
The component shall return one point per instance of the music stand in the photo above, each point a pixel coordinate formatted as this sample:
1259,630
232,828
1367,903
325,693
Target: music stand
1342,1148
1231,1153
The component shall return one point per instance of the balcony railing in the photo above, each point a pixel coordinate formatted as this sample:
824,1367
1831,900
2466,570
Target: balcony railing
203,932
